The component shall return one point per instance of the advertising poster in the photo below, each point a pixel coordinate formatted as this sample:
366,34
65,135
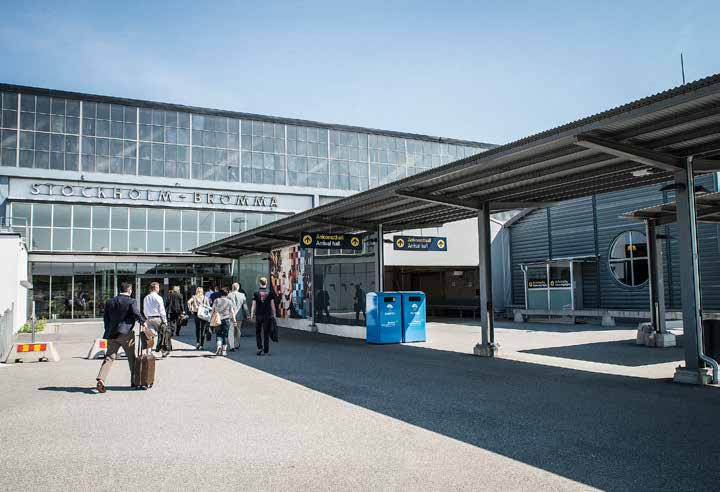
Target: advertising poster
291,281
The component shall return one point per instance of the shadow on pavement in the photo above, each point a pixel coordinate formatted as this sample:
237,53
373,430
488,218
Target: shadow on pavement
620,352
80,389
606,431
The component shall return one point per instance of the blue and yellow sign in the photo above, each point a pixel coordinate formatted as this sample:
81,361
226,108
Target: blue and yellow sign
419,243
321,240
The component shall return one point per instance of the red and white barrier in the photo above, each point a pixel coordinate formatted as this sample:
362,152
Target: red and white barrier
42,352
99,349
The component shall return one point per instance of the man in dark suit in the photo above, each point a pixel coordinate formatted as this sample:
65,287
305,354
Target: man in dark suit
121,313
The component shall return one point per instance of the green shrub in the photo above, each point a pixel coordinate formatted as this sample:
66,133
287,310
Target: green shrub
39,326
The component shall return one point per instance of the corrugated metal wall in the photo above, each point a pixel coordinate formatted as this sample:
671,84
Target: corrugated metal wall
588,226
528,242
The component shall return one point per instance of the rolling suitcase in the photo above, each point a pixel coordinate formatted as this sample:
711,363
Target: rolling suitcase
143,376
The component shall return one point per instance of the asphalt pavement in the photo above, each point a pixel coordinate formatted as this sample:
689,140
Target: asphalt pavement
327,413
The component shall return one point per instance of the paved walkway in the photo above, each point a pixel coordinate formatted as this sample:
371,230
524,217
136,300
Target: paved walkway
324,413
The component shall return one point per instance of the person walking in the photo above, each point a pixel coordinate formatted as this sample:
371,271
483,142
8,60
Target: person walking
240,302
215,294
121,314
359,302
225,310
154,309
209,293
175,308
263,312
194,304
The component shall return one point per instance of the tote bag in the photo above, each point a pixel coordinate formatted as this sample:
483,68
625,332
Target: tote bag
204,313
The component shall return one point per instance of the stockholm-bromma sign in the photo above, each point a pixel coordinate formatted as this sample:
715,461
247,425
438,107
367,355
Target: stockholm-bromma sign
419,243
321,240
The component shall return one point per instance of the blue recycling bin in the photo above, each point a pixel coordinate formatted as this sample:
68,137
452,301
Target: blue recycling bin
413,317
383,317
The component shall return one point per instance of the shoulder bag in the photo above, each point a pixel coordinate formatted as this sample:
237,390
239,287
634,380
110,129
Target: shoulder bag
204,312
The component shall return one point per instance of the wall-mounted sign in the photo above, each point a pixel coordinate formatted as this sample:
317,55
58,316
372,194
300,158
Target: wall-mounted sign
560,283
152,195
419,243
321,240
537,284
128,193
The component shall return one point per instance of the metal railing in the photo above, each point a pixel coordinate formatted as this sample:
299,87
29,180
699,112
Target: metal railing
7,331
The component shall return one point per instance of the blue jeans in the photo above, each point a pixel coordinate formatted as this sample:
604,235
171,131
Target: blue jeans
221,332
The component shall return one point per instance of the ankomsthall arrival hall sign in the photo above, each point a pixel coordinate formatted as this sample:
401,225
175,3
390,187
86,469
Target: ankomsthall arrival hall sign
419,243
322,240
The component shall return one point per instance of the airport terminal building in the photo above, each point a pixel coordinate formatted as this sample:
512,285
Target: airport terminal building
106,189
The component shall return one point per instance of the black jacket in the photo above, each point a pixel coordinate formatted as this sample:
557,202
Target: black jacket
121,313
174,306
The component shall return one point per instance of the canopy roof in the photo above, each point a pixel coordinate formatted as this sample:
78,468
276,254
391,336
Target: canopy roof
707,206
637,144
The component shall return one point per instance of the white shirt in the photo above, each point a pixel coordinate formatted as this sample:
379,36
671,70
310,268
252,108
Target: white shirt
238,299
153,305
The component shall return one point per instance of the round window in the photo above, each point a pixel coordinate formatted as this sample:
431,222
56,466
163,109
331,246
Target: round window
629,259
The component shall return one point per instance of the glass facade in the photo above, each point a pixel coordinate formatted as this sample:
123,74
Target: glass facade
65,134
80,290
99,228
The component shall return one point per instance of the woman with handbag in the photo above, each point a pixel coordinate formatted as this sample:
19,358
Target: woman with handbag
223,320
199,306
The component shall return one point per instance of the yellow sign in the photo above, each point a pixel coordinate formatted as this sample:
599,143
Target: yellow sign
441,244
307,239
355,241
400,243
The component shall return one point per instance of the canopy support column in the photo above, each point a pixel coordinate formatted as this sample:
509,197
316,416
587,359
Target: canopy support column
694,371
487,347
380,260
655,335
657,285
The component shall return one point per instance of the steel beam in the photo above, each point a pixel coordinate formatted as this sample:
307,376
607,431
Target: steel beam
352,225
493,169
569,192
646,128
513,205
657,286
487,347
599,164
278,237
440,199
703,165
660,160
681,138
248,248
410,213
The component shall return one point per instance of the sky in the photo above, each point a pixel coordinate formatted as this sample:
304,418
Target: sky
485,71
